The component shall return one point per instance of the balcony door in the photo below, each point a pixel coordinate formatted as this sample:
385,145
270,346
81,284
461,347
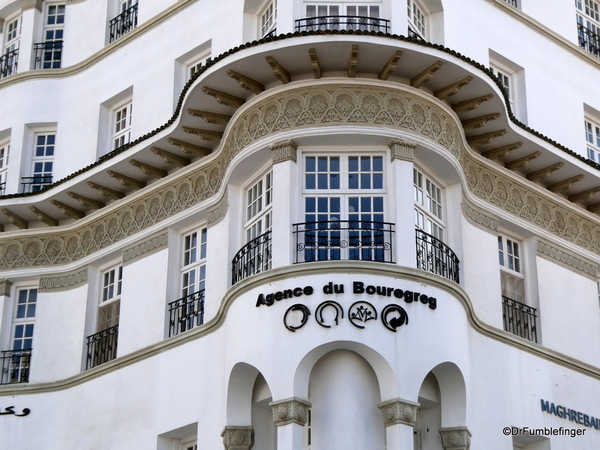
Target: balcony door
342,16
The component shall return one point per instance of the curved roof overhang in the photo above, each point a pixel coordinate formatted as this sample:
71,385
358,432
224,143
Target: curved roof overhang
215,102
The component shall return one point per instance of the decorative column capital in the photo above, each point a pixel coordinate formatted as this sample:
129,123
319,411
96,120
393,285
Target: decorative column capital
456,438
30,4
5,285
290,410
402,149
284,151
399,412
238,438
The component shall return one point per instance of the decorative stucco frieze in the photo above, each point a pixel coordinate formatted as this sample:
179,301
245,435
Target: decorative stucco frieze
399,412
217,212
1,24
145,247
284,151
291,410
5,285
30,4
567,259
238,438
297,108
402,149
478,217
457,438
63,281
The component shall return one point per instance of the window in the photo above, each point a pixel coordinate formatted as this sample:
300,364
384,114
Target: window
189,444
428,205
592,136
512,3
194,66
258,207
102,346
15,362
9,59
417,20
48,54
342,16
506,78
588,25
307,431
268,19
42,162
125,21
4,151
121,122
344,203
512,78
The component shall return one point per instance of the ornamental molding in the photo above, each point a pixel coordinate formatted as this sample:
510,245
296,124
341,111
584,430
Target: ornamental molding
292,410
284,151
298,108
63,281
218,212
402,149
457,438
478,217
567,259
5,285
238,438
1,24
399,412
145,247
30,4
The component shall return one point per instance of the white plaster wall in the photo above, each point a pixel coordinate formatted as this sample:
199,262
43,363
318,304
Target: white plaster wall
58,337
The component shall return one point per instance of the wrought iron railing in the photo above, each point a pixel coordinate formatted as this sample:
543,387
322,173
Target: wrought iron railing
8,63
34,184
123,23
435,256
588,40
15,366
102,347
48,55
512,2
186,313
253,257
3,188
354,23
344,240
413,34
519,319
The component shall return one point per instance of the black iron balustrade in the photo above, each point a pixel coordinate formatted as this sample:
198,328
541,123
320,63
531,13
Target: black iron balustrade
360,240
354,23
123,23
186,313
8,63
35,184
15,366
435,256
254,257
102,347
2,188
588,40
512,2
48,55
413,34
519,319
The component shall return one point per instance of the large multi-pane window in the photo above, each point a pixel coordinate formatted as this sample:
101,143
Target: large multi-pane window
509,258
258,207
48,54
592,137
4,151
42,162
507,78
417,19
121,124
110,302
344,208
588,25
428,205
193,266
268,18
10,55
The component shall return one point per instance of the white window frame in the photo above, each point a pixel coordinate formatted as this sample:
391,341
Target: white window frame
193,65
111,284
508,78
512,267
12,33
429,201
267,18
193,260
51,55
258,202
189,443
334,9
26,319
120,120
592,137
4,156
418,18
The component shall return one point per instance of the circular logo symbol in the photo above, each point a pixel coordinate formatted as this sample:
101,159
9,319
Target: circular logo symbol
339,312
296,321
394,316
360,313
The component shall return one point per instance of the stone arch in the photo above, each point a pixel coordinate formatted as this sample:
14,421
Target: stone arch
239,394
453,394
386,378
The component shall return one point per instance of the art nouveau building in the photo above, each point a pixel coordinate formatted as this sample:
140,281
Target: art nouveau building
299,224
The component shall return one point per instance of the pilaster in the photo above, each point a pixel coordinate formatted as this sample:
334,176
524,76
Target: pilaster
290,416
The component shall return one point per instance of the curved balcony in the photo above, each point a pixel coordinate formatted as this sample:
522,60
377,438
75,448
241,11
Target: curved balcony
435,256
9,63
15,366
344,240
102,347
186,313
349,23
254,257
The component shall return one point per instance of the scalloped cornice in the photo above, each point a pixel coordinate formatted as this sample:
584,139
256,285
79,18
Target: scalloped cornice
146,247
568,259
63,281
322,105
478,217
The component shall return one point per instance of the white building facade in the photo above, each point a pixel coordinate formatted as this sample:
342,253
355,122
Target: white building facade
299,225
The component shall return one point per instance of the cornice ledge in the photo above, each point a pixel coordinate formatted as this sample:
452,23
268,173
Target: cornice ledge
144,248
63,281
567,259
478,217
